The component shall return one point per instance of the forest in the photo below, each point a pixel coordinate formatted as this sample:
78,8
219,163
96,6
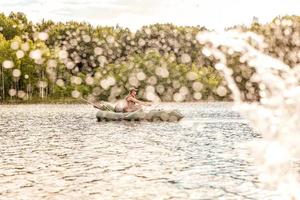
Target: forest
55,61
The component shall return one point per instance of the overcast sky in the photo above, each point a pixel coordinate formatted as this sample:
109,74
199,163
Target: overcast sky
215,14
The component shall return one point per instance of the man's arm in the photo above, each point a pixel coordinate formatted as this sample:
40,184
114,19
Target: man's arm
139,102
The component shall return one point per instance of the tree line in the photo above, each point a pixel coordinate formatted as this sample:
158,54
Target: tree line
50,60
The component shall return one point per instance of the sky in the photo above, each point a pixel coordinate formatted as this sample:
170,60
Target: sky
214,14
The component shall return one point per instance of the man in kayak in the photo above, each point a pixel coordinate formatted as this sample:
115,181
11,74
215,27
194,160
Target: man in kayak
131,103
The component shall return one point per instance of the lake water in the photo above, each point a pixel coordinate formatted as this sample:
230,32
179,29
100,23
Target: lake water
62,152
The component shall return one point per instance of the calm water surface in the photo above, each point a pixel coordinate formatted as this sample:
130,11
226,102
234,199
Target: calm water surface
62,152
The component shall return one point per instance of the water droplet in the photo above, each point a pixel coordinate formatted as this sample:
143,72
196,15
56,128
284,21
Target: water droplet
160,89
197,95
25,47
162,71
141,76
16,73
21,94
178,97
89,80
86,38
152,80
12,92
110,39
70,65
14,45
60,83
8,64
76,80
191,76
35,54
183,90
75,94
20,54
133,81
185,58
52,63
42,84
176,84
63,54
98,51
43,36
221,91
197,86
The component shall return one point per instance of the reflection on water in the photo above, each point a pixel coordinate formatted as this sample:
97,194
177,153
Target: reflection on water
61,152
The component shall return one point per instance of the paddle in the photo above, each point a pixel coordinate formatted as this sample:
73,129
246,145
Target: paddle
96,106
131,113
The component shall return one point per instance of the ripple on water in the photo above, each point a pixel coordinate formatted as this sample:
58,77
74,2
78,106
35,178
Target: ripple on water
61,152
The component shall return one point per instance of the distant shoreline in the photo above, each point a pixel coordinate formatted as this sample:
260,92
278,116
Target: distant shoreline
43,101
78,101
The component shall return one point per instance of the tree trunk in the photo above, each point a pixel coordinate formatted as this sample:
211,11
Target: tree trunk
3,83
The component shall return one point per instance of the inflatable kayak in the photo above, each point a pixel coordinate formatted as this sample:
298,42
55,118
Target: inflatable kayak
153,115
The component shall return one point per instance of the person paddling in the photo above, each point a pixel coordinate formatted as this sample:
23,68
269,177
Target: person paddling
132,104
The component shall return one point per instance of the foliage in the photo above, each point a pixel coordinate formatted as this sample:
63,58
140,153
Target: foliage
166,62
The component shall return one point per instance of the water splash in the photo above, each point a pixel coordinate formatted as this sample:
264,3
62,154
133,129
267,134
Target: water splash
275,116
